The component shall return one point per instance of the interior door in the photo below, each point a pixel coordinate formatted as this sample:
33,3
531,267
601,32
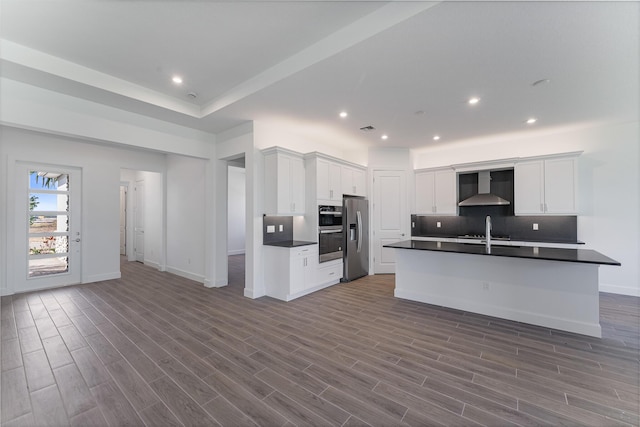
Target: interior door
139,221
123,220
390,217
48,226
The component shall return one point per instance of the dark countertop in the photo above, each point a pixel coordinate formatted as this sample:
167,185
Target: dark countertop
587,256
290,243
512,239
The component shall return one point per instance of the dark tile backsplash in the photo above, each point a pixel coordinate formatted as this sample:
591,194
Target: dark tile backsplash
550,228
279,236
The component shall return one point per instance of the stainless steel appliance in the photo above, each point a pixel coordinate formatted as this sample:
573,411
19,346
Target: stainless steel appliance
355,219
330,233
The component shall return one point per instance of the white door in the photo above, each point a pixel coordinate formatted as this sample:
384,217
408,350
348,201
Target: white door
123,220
48,226
139,221
390,217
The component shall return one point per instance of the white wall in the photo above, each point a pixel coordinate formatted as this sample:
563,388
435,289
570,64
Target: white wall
609,187
236,211
235,143
186,216
100,204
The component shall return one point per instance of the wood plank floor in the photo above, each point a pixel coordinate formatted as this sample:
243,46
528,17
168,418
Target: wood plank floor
156,349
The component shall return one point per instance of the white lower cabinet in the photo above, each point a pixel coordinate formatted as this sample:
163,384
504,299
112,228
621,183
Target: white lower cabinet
293,272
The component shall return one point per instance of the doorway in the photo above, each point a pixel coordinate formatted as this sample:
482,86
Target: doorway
236,221
48,226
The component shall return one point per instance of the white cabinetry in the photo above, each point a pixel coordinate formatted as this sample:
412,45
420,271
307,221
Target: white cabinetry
284,181
293,272
354,181
435,192
546,186
329,180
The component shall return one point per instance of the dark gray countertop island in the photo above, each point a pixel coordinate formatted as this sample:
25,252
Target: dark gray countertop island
588,256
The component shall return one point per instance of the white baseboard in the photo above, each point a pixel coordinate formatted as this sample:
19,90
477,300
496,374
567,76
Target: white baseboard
621,290
151,264
236,252
102,277
186,274
4,292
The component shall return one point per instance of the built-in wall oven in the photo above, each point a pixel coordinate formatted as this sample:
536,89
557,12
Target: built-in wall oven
330,235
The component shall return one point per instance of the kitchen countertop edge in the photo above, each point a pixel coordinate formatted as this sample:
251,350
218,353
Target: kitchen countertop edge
290,243
585,256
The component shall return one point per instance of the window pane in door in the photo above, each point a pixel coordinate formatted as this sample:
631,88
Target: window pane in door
48,224
48,202
48,245
47,266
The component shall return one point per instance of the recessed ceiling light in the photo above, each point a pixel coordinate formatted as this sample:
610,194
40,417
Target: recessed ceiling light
474,100
436,137
385,136
343,114
177,80
531,121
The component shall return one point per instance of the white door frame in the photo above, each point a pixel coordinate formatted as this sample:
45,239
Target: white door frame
21,282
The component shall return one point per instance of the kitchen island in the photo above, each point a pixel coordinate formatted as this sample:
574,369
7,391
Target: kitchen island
551,287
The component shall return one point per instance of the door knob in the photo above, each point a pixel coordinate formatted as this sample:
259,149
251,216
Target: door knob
78,239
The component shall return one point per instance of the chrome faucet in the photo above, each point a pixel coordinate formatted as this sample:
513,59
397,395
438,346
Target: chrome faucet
487,233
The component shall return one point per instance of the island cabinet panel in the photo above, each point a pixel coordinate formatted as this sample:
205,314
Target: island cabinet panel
435,192
284,175
552,294
354,181
546,186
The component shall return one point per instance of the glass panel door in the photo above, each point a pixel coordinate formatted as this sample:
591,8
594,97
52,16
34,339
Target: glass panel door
48,222
48,210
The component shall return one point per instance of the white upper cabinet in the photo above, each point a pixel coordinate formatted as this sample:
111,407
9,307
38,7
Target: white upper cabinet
284,180
546,186
329,180
354,181
435,192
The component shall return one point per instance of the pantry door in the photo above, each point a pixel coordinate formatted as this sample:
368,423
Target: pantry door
47,236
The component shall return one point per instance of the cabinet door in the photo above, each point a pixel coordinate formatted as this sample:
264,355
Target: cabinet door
359,182
335,182
445,192
297,183
560,186
298,269
283,191
529,188
424,192
323,183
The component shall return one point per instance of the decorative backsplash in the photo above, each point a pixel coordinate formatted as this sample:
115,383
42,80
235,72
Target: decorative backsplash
550,228
277,236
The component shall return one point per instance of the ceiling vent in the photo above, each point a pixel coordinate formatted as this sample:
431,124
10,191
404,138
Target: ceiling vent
367,128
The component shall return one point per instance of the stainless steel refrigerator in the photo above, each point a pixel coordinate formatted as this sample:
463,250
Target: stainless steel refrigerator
355,222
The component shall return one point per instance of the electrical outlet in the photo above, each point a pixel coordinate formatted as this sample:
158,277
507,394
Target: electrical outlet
535,226
281,228
413,225
438,224
271,228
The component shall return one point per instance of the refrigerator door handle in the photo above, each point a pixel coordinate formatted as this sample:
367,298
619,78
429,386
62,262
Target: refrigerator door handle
359,225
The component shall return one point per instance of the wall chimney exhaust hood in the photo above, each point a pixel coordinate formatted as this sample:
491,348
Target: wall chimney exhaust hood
484,196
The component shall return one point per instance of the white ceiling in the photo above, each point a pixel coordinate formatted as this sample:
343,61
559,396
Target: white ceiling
407,68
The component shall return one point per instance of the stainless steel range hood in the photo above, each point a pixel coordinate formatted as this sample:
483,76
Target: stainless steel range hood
484,196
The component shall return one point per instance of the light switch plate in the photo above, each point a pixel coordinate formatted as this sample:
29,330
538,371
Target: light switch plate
535,226
271,228
438,224
281,228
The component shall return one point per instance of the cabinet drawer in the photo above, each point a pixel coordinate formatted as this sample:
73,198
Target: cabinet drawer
329,273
